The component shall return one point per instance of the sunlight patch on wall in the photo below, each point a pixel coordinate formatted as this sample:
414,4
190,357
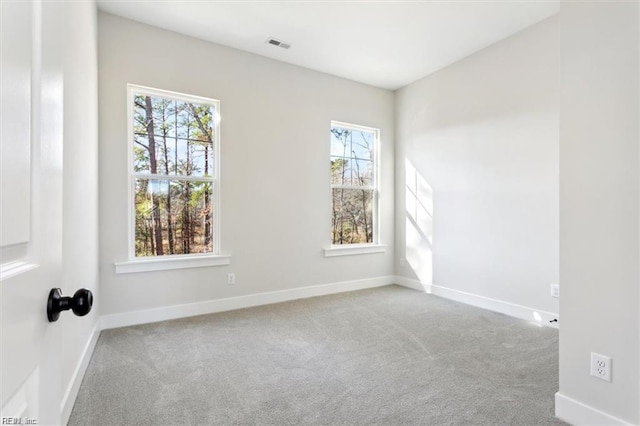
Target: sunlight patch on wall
418,224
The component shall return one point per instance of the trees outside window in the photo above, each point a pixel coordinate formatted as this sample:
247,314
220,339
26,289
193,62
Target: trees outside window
174,173
353,184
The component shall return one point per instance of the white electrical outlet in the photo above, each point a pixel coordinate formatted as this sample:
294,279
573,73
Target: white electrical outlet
231,279
601,366
555,290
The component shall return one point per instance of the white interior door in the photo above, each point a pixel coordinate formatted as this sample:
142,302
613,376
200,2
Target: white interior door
31,208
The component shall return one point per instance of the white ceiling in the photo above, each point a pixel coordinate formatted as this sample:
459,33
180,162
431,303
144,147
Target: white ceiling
387,44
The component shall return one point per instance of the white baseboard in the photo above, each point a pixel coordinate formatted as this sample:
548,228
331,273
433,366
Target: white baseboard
577,413
70,395
507,308
231,303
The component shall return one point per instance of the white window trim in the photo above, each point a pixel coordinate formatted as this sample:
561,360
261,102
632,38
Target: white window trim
352,249
167,262
375,246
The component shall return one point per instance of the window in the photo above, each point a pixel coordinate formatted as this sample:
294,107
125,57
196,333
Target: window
354,184
174,177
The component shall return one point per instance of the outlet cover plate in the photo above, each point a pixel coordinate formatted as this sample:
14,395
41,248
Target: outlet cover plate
601,366
555,290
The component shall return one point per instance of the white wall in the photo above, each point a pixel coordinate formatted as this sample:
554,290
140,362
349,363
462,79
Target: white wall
483,134
80,184
599,210
275,196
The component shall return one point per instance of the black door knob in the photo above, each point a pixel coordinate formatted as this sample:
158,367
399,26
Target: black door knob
80,303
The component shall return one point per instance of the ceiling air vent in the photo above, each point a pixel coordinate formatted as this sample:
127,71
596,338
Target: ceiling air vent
278,43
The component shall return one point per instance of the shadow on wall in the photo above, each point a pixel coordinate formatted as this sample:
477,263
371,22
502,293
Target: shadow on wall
418,224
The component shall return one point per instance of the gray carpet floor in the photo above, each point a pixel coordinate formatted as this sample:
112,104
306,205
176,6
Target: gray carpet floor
389,356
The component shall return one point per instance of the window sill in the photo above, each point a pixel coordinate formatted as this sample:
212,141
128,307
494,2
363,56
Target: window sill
354,249
168,263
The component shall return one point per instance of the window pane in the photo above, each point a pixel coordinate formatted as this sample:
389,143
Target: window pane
362,172
141,160
156,115
185,120
193,158
195,121
164,121
154,154
352,216
172,156
173,137
173,217
351,172
352,155
165,155
362,145
340,171
340,142
352,143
